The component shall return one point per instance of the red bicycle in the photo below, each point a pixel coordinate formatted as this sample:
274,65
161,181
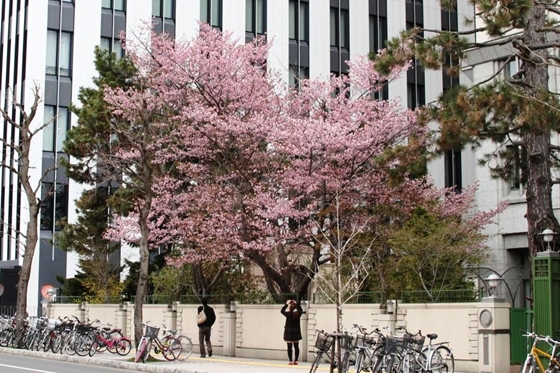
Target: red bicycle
111,339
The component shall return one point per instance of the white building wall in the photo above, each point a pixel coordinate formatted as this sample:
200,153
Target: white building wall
319,39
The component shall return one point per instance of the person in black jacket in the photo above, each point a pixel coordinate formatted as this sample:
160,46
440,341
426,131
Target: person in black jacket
205,329
292,329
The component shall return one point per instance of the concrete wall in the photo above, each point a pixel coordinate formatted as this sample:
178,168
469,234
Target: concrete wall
255,331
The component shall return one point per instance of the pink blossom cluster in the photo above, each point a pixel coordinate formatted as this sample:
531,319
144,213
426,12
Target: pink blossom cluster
246,164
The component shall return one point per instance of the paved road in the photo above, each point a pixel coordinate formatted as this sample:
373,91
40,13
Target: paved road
41,362
26,364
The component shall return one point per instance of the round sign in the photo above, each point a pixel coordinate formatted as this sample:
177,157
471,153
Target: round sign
485,318
1,289
45,291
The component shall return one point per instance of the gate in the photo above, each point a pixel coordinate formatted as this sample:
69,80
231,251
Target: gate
520,319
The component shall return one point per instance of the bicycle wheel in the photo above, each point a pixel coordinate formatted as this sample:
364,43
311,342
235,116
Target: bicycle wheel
529,366
173,349
442,360
359,360
316,362
123,346
93,348
5,337
345,361
83,345
140,350
187,346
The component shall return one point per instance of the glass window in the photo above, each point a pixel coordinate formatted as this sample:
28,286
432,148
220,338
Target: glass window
303,20
65,53
120,5
52,43
292,11
61,127
106,4
48,130
168,8
105,44
118,49
261,16
204,11
249,15
344,39
216,13
54,204
334,26
46,206
156,8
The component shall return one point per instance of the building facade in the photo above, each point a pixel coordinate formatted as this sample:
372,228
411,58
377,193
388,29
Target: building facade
51,43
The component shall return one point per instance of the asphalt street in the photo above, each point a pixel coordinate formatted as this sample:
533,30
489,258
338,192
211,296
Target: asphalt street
23,361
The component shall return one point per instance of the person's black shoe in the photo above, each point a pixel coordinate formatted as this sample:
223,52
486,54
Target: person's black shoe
202,356
209,353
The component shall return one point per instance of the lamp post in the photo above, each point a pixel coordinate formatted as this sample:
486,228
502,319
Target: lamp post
494,280
548,236
546,287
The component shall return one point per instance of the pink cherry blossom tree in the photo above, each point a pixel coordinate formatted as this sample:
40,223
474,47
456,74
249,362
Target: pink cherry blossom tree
250,169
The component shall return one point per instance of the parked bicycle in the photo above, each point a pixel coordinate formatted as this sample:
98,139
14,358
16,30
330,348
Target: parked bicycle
169,346
111,339
369,353
533,362
323,345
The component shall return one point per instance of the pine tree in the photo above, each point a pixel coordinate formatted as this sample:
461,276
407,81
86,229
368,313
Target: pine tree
519,115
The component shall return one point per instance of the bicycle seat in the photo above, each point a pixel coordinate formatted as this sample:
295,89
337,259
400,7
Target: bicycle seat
432,336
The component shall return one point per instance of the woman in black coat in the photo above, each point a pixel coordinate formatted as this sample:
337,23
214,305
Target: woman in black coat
292,329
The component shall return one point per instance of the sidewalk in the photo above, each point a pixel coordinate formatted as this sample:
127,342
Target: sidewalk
215,364
195,364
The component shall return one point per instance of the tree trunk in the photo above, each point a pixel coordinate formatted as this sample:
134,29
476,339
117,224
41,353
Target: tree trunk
143,272
540,214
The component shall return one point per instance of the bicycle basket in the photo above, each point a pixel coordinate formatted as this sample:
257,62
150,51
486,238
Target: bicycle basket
393,344
151,332
53,323
413,342
361,340
323,342
345,342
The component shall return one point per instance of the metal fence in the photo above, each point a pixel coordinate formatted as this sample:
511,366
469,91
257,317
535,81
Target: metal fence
7,309
374,297
442,296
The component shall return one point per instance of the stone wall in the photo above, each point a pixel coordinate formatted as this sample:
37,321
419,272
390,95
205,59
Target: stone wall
255,331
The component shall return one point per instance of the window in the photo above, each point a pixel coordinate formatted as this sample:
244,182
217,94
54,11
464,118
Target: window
255,17
296,74
165,7
118,4
211,12
453,171
299,20
54,205
377,33
59,46
514,161
339,28
112,45
54,134
416,95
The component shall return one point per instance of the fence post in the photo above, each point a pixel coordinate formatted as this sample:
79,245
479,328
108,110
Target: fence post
493,335
230,329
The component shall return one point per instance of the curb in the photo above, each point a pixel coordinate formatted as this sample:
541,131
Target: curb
152,367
